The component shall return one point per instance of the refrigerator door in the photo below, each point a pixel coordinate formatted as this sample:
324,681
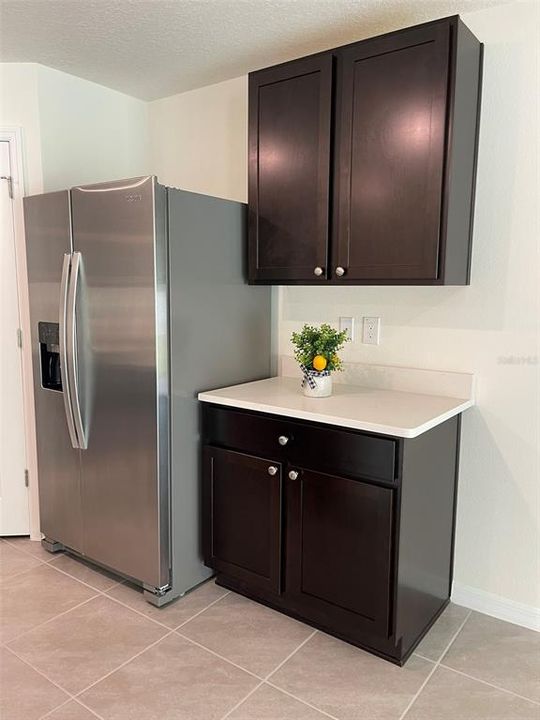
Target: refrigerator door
121,394
48,249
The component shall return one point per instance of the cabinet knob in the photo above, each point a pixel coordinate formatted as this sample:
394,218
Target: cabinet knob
293,474
283,439
340,271
272,470
318,271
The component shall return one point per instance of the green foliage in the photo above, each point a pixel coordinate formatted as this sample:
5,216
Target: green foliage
323,340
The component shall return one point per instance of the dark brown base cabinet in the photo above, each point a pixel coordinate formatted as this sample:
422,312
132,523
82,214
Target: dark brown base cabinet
362,161
348,531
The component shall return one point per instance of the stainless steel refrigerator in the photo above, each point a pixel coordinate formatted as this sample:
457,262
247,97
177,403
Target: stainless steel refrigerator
137,301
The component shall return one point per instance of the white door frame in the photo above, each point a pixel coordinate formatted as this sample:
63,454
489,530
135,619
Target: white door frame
13,136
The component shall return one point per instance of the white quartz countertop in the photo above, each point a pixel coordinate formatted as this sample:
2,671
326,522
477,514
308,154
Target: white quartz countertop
387,412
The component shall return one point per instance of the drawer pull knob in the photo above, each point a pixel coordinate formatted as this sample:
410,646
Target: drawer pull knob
283,439
272,470
340,271
318,271
293,474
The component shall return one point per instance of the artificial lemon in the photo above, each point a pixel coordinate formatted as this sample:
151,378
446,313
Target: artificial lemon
319,362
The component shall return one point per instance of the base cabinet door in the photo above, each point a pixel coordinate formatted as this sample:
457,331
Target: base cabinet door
339,541
242,517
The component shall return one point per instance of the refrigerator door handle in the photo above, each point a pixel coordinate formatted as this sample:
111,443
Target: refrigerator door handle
71,349
64,367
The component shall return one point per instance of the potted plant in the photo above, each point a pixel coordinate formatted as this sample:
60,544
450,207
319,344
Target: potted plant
316,351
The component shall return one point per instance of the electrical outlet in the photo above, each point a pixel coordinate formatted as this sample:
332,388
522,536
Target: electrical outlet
371,330
347,323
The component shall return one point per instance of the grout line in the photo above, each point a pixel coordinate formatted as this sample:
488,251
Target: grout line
111,672
36,670
54,709
243,700
169,632
486,682
45,622
87,707
304,702
417,694
238,704
40,672
227,714
276,687
221,657
454,636
423,657
435,666
289,656
13,544
71,700
138,612
50,564
8,539
83,582
228,592
158,622
7,579
104,593
90,566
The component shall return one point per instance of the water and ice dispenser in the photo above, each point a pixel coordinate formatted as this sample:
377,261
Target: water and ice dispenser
49,352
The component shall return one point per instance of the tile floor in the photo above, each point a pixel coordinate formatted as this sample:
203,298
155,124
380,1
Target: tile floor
77,644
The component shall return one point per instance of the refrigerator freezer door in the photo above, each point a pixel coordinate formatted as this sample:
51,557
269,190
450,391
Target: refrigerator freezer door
48,239
122,362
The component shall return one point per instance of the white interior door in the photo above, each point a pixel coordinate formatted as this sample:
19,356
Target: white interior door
14,515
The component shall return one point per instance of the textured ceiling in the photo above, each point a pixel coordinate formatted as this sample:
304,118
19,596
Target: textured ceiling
154,48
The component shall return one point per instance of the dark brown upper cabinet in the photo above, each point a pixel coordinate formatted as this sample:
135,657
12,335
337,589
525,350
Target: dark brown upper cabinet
289,169
362,161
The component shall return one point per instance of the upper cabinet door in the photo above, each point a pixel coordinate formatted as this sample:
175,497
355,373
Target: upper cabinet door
289,170
391,124
401,126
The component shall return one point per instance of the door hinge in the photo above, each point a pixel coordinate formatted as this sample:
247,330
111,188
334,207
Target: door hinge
19,337
26,478
9,184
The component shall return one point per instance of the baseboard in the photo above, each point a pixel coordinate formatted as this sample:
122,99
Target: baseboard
496,606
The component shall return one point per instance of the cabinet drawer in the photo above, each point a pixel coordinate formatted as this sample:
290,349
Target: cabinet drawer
349,453
324,448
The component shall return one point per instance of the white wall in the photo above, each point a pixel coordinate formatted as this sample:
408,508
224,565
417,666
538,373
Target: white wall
89,133
199,141
19,108
74,131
